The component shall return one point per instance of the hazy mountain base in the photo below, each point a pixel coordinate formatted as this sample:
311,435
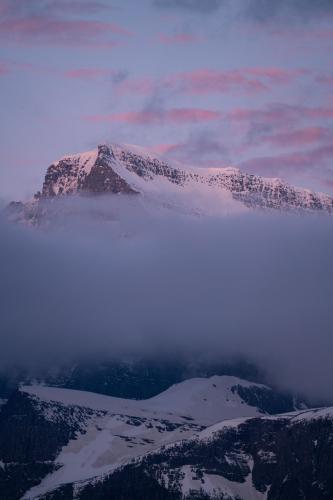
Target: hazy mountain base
146,377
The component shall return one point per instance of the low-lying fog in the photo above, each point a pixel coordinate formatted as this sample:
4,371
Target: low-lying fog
116,277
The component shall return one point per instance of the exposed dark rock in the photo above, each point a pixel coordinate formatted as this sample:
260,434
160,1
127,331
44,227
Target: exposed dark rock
31,436
264,398
102,178
69,176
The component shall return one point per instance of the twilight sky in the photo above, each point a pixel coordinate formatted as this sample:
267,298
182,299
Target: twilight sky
207,82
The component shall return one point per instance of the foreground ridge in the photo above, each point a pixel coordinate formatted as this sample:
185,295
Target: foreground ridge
50,436
204,439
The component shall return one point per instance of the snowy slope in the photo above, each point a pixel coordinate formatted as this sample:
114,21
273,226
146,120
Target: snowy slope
266,458
119,430
205,400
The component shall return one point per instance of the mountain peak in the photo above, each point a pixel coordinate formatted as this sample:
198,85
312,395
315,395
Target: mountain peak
103,149
128,169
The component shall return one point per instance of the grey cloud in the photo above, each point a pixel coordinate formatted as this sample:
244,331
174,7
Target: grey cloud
202,147
261,10
14,8
265,10
119,76
118,278
199,6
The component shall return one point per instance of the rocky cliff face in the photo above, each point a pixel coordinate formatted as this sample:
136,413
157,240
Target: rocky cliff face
88,173
129,170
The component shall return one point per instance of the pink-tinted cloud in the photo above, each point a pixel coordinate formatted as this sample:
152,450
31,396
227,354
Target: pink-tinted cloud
328,183
179,39
4,69
208,81
11,66
165,148
75,73
88,73
176,115
49,30
325,79
141,86
280,114
276,75
310,38
295,163
298,138
324,34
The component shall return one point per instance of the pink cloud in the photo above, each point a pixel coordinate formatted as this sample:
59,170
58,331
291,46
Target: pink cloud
206,81
319,112
324,34
165,148
249,80
181,38
141,86
276,75
328,183
4,69
88,73
298,138
297,162
75,73
296,34
10,66
39,29
327,80
280,114
176,115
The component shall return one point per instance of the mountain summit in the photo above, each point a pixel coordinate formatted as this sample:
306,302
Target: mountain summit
132,170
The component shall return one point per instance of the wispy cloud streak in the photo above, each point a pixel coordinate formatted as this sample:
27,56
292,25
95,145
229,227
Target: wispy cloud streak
50,22
147,117
211,81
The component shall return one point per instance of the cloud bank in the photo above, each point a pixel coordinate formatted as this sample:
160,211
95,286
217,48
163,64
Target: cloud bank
46,22
259,10
128,280
199,6
293,9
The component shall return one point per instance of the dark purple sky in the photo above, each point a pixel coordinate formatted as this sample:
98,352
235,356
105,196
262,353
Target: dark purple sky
208,82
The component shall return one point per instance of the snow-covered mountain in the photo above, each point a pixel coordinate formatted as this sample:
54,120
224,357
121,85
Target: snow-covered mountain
199,439
51,437
131,170
284,457
210,437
